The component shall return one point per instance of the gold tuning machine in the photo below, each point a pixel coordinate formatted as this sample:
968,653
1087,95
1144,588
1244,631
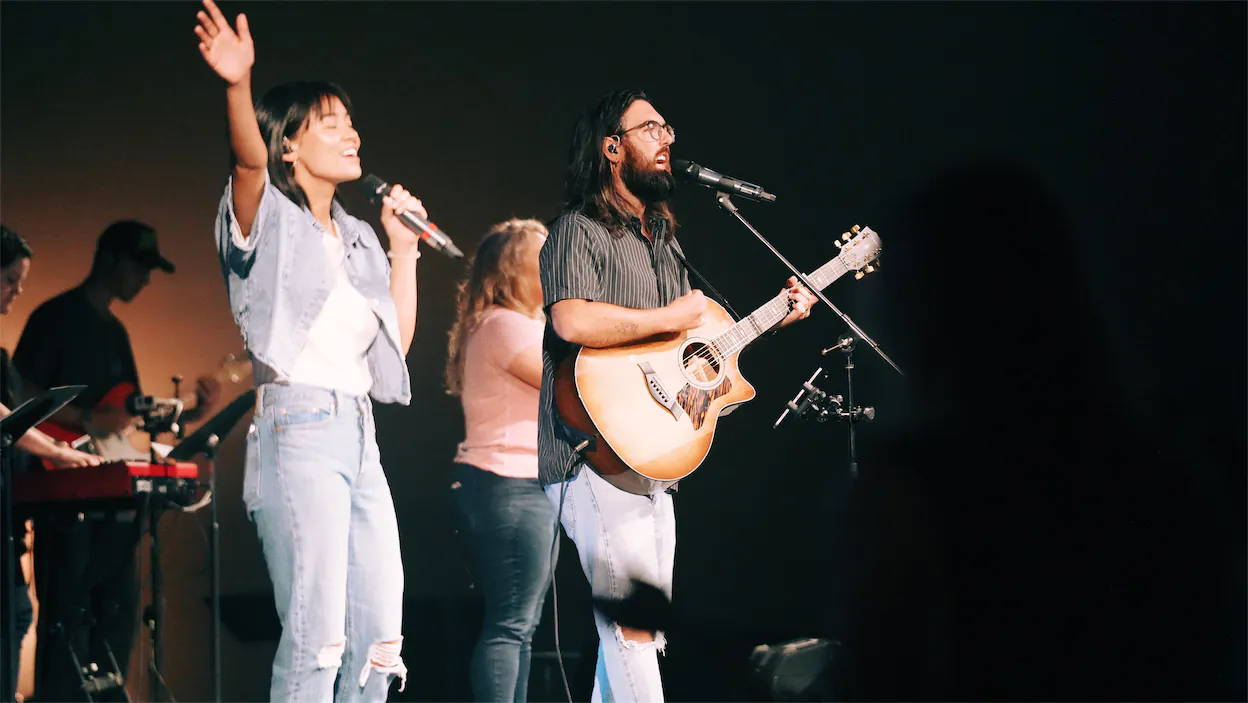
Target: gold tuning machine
859,276
869,269
846,236
855,229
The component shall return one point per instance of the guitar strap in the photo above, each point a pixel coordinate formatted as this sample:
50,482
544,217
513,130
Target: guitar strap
706,284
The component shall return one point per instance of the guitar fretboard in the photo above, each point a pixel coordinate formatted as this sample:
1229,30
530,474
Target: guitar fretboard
772,313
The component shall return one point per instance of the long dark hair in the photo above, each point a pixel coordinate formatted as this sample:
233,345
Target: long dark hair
492,280
282,112
589,183
12,247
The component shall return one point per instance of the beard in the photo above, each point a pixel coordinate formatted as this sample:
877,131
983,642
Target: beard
651,185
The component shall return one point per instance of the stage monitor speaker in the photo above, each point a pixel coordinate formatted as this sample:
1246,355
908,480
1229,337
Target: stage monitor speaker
796,670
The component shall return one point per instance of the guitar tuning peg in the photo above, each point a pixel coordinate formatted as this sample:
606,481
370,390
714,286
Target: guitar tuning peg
837,242
855,229
845,236
869,269
859,276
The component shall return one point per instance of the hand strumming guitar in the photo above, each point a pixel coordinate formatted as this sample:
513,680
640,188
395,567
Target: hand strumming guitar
686,312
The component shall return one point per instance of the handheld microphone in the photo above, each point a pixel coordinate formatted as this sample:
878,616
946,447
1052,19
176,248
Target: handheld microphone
689,171
376,189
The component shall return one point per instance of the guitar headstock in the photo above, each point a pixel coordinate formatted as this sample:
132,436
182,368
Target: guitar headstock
860,250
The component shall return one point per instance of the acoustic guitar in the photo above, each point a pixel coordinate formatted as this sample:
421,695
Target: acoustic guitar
652,407
231,371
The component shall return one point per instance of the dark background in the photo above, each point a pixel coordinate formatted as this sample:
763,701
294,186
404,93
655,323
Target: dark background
1050,505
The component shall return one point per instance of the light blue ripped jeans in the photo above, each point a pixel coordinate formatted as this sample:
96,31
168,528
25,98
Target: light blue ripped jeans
620,537
322,507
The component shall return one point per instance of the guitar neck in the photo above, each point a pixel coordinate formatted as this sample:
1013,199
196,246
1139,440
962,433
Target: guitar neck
773,312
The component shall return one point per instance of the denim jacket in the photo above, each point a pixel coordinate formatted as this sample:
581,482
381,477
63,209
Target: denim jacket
279,279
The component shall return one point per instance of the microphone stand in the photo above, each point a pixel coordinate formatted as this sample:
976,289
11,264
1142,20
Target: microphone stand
812,398
854,414
214,545
153,509
206,439
725,202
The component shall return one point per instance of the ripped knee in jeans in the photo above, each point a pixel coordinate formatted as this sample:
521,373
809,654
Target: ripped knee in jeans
330,656
640,640
384,658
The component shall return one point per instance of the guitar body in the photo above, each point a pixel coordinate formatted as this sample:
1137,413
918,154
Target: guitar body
74,435
651,406
123,445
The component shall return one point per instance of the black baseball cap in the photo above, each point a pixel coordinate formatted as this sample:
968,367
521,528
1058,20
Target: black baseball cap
135,240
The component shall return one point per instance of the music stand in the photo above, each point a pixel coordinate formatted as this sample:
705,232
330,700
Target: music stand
205,440
12,427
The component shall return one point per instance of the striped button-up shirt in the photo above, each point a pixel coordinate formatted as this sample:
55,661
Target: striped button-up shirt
583,260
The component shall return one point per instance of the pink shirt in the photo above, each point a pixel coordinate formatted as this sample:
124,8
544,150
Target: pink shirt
500,410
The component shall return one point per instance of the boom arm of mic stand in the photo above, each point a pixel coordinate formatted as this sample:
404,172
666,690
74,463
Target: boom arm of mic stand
725,202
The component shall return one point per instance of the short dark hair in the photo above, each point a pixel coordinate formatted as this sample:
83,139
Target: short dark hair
589,185
282,112
12,247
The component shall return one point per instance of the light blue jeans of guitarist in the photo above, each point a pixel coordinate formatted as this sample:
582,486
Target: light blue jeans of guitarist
315,488
621,537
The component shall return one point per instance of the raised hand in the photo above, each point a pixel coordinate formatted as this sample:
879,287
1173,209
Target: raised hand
229,53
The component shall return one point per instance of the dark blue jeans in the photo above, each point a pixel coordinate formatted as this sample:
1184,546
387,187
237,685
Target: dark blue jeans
508,524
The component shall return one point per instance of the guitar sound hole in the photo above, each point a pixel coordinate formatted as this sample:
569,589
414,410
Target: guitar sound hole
700,363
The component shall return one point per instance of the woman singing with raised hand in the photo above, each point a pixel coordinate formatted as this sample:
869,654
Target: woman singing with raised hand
328,323
495,366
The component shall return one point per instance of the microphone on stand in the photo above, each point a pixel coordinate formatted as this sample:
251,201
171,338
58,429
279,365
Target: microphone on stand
689,171
845,342
376,189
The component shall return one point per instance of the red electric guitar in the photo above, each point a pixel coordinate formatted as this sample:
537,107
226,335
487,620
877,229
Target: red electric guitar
232,371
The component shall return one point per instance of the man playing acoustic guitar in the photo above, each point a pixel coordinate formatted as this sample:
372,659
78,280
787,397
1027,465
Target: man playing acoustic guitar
86,570
612,274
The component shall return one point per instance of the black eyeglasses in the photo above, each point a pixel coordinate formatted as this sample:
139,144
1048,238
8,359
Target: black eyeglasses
652,131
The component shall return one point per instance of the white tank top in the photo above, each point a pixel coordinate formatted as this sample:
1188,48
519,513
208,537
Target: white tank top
335,354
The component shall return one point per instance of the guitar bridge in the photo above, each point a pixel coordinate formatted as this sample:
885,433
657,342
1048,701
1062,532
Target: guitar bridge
661,396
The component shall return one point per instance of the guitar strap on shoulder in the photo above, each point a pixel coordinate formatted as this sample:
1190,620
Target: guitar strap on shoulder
706,284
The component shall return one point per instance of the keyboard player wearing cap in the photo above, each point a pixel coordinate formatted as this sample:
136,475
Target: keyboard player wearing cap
86,575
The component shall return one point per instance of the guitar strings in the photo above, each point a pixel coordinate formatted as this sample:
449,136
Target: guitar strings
716,349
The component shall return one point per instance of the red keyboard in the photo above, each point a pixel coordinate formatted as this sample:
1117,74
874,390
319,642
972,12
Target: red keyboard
116,479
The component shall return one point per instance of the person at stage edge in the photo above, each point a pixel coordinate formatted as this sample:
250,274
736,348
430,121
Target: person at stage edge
610,276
